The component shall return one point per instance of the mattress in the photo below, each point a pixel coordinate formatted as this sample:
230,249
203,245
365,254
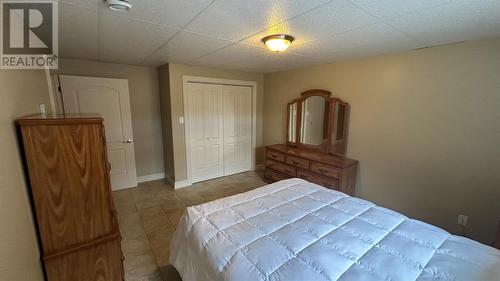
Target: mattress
295,230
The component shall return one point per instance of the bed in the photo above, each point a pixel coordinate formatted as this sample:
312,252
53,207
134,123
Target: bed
295,230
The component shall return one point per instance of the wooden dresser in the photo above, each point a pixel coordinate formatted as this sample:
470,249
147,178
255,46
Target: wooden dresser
330,171
68,173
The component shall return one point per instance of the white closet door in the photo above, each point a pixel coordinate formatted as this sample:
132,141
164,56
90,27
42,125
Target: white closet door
237,129
205,131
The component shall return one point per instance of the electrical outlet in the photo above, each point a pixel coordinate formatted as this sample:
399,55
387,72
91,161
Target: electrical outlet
462,220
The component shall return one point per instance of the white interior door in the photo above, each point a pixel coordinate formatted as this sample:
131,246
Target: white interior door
237,129
205,131
110,98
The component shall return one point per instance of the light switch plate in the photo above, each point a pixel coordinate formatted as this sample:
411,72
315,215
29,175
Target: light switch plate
462,220
181,120
42,108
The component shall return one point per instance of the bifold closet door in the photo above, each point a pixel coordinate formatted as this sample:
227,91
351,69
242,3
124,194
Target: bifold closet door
220,130
206,144
237,129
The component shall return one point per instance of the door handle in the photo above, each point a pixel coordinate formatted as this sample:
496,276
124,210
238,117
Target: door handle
128,141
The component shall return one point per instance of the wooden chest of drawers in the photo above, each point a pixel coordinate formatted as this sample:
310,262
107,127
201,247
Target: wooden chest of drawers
68,173
330,171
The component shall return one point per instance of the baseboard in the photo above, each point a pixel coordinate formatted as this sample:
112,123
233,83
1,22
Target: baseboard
181,184
152,177
176,184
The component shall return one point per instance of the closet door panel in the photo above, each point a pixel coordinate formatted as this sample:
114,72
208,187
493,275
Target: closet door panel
237,129
205,131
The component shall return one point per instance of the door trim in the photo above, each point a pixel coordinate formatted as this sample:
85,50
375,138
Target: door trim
218,81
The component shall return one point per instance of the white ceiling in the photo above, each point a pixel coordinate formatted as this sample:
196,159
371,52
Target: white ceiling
227,33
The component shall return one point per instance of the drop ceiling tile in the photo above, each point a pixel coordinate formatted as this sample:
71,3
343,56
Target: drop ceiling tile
187,46
78,32
172,13
270,62
231,54
89,4
377,36
394,8
334,18
155,60
458,21
127,41
367,41
236,19
317,49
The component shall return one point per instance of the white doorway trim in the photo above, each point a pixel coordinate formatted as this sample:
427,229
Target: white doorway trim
209,80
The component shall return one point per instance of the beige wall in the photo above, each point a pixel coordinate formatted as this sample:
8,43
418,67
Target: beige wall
21,93
425,126
144,105
177,107
166,115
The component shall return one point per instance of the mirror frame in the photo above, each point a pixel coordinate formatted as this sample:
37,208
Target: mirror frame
339,146
329,144
327,96
299,113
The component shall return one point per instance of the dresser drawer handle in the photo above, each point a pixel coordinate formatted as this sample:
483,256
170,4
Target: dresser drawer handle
323,171
288,171
295,162
274,156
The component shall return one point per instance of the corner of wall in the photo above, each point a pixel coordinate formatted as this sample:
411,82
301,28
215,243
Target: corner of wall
166,119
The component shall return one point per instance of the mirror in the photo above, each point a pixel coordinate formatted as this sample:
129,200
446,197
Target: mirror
340,111
314,126
292,122
339,133
318,121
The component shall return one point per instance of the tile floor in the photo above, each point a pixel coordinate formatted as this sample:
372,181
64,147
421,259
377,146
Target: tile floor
148,215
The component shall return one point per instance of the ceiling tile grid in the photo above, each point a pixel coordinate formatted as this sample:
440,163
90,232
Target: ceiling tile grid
457,21
333,18
388,9
235,20
131,49
230,54
228,33
170,13
88,4
187,46
78,32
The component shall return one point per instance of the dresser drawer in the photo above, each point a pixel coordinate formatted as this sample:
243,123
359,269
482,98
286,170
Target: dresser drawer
280,167
278,156
297,162
325,170
327,182
274,176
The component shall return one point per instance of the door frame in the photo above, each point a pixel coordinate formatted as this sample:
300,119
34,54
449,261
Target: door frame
217,81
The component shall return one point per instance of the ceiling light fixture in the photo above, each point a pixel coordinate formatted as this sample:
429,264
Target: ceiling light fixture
278,42
119,5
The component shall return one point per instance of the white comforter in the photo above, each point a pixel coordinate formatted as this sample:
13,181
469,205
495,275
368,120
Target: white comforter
295,230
